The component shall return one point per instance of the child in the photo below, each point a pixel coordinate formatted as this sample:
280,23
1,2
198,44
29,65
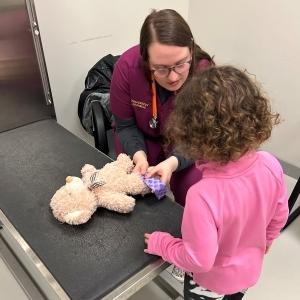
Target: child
233,214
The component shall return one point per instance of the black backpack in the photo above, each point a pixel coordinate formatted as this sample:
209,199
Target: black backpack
97,86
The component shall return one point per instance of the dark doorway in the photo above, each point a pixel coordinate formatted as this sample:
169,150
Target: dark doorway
22,95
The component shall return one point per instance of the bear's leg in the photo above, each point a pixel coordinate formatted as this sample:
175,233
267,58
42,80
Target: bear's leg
115,201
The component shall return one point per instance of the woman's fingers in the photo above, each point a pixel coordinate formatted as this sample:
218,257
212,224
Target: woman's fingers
141,168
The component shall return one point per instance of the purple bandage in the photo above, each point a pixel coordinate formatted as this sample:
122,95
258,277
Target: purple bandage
157,187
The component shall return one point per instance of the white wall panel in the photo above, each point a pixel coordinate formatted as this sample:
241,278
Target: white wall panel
264,38
76,34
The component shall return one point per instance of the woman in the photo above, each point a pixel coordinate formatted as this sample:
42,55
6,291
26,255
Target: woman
144,84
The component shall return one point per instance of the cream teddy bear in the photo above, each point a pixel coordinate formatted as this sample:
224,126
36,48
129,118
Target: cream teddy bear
109,187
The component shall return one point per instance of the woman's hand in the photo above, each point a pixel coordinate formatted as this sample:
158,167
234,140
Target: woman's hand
141,164
164,169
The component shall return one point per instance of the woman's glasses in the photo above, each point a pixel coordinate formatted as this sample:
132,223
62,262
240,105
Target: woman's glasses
162,72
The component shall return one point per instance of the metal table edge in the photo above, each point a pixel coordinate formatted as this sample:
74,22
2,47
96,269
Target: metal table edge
34,266
48,284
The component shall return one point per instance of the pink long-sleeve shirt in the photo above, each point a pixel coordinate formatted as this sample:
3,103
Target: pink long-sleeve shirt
230,217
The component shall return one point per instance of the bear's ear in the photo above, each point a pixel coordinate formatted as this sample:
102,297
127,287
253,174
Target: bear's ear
124,162
122,157
87,169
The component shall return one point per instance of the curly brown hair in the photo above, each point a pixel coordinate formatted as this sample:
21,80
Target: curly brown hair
219,115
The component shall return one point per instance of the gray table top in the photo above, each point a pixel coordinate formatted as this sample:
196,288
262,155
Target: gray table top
90,260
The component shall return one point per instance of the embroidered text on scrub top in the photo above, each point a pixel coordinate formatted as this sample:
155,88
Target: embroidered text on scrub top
139,104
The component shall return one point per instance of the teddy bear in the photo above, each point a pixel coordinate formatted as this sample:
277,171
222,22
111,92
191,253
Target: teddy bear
110,187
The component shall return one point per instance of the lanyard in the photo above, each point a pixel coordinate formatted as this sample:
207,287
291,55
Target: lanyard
153,121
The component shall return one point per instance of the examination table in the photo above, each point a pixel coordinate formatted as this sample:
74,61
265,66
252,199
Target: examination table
102,259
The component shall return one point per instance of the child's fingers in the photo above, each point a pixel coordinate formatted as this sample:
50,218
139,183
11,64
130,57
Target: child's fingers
164,178
151,171
146,238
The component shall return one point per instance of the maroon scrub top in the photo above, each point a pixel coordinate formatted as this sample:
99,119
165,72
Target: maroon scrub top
130,97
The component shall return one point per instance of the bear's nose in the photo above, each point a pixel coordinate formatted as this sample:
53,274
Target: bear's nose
69,179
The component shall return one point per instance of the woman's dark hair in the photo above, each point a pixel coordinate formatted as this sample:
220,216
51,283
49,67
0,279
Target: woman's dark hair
219,115
169,28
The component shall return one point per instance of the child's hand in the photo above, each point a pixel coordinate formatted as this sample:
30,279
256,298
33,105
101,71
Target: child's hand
164,169
146,237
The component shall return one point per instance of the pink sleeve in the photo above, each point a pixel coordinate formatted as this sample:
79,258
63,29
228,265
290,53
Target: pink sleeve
120,91
197,249
281,213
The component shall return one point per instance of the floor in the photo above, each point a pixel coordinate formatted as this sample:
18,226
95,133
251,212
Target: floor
279,280
10,289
